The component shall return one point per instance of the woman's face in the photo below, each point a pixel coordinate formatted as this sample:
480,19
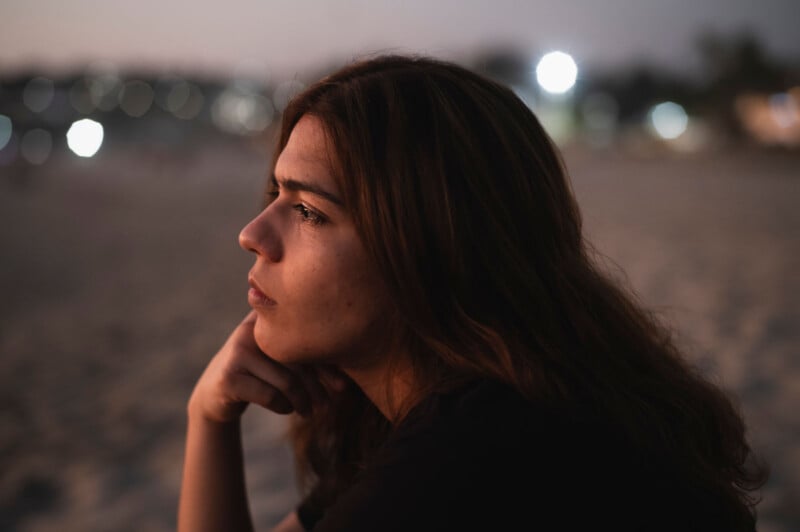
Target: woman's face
316,296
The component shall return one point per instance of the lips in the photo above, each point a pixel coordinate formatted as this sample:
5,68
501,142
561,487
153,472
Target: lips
256,297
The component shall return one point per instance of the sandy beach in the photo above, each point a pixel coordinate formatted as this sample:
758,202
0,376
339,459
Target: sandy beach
121,276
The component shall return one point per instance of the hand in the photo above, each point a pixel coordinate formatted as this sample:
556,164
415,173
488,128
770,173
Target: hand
240,373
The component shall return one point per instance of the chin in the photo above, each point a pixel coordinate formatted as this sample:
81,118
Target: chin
263,340
273,347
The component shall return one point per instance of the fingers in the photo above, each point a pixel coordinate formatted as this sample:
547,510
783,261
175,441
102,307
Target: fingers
251,317
243,333
254,390
277,387
290,384
297,389
304,385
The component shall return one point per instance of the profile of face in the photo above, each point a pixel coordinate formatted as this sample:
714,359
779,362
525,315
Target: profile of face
316,297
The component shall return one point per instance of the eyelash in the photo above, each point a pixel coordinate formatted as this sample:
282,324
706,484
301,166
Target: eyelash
307,215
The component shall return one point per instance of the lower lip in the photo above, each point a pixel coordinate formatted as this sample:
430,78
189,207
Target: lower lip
257,299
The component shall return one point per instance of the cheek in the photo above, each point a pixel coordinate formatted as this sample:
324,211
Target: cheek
337,282
332,311
344,304
345,315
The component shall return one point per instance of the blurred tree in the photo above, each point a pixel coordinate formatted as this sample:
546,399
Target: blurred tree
734,65
637,89
506,64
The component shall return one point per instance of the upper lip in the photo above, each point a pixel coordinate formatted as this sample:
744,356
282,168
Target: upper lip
253,284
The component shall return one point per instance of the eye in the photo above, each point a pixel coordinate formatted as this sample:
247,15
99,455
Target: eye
308,215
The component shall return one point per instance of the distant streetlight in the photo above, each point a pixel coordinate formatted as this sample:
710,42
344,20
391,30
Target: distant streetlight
669,120
556,72
85,137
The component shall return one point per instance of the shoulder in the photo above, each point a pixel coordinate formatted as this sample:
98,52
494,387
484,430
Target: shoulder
478,456
479,418
482,457
490,420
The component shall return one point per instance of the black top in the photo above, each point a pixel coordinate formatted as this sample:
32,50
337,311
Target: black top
483,458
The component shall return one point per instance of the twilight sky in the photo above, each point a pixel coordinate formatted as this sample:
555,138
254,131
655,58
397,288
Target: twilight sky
288,37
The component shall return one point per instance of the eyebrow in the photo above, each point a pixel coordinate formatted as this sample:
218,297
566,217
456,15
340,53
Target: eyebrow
295,185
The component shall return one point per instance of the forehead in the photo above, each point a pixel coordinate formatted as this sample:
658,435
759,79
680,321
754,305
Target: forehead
306,150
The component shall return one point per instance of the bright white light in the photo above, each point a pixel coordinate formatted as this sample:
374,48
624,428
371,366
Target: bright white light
556,72
669,120
85,137
5,130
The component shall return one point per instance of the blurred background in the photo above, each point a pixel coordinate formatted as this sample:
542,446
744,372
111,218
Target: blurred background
134,141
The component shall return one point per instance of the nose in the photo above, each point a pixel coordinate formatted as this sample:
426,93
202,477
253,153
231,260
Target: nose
262,238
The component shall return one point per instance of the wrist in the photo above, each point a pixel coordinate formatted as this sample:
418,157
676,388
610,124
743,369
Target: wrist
197,413
200,423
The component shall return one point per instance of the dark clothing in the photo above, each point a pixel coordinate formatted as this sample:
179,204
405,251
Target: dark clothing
483,458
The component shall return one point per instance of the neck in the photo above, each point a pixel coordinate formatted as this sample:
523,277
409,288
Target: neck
388,385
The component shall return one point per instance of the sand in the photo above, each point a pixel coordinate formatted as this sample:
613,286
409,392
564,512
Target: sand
121,276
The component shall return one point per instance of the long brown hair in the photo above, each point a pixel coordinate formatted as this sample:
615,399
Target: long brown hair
462,202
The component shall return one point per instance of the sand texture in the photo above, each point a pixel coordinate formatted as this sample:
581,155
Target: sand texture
121,276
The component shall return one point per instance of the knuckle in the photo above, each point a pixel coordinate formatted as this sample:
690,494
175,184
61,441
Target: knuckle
226,379
268,396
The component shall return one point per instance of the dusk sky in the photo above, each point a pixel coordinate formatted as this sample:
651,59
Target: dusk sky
284,38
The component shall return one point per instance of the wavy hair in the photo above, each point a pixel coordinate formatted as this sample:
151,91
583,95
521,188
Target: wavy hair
464,206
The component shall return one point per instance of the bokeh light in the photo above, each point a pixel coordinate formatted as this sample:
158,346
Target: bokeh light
85,137
556,72
785,110
8,153
36,145
104,86
185,100
771,119
669,120
135,98
37,94
80,96
6,128
162,90
240,111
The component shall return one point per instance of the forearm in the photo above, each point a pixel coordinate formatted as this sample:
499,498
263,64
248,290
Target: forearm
213,495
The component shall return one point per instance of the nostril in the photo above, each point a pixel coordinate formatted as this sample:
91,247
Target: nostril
245,240
247,247
260,238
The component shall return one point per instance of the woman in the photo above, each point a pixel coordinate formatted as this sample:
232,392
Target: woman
424,301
